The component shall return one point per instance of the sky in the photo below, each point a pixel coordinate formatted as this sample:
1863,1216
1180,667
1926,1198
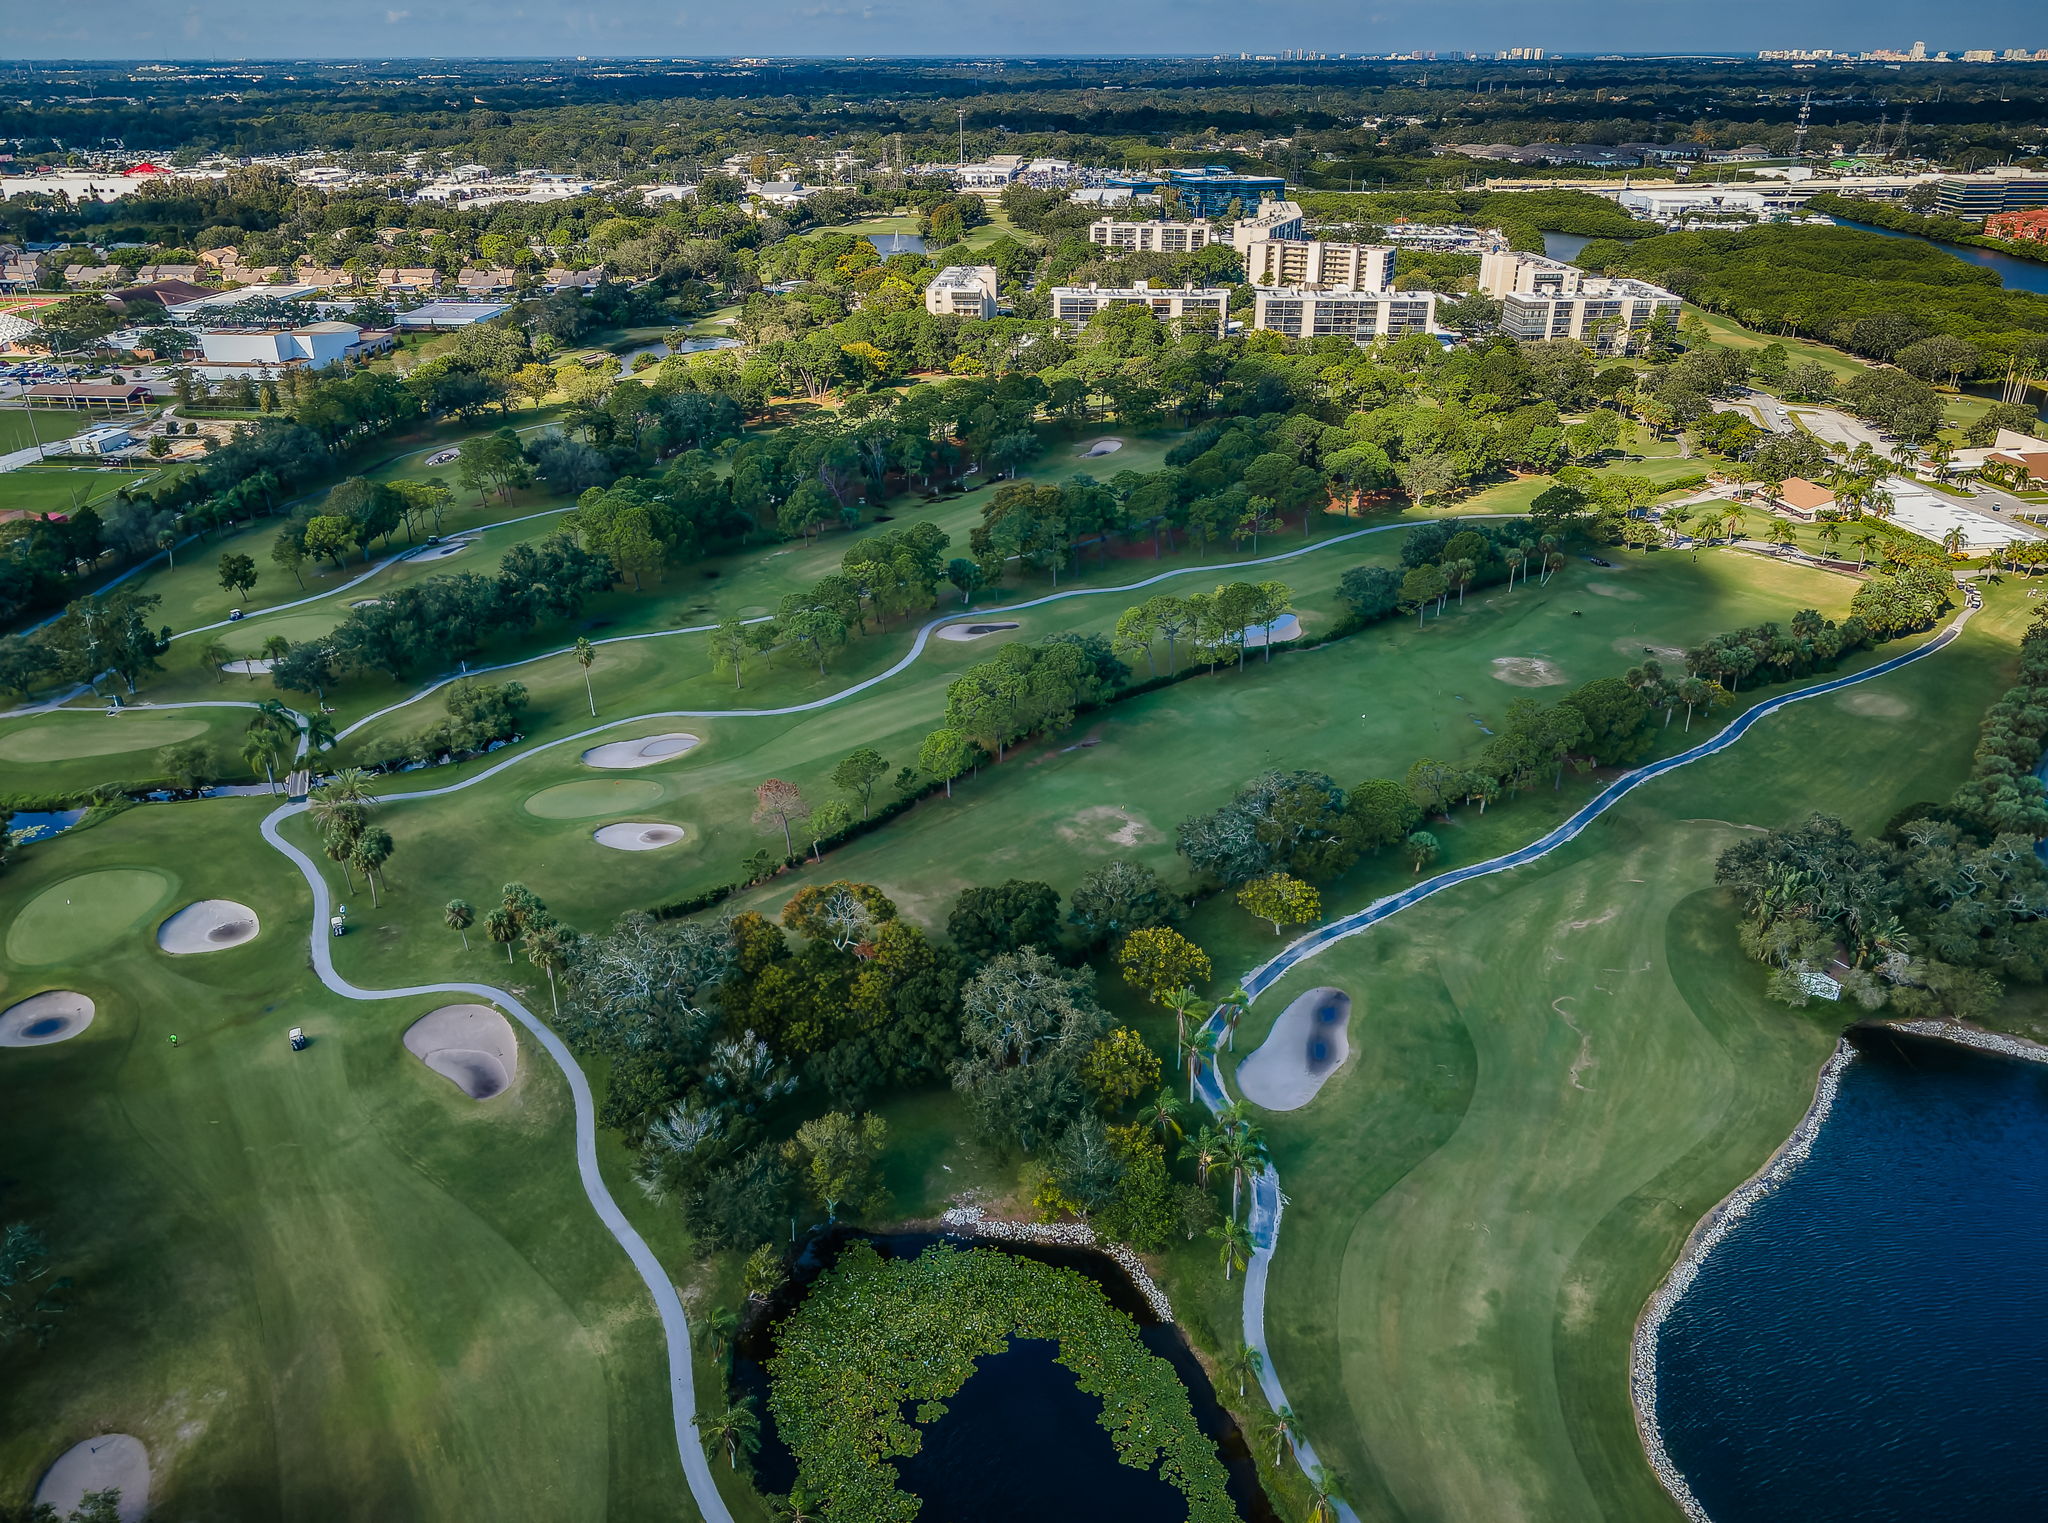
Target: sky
270,29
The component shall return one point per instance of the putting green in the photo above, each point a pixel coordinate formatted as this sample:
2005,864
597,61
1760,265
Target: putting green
588,800
83,915
71,736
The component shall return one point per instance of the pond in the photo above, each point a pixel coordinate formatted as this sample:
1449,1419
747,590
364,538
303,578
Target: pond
40,825
1871,1341
1019,1442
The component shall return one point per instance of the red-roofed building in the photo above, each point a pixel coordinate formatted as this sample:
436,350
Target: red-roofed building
2029,226
1801,497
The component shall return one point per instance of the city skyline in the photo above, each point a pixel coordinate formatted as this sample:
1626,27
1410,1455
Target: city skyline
655,29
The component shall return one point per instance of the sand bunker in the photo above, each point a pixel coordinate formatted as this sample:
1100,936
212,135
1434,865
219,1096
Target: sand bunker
250,667
113,1461
1306,1045
440,552
1875,705
640,753
971,631
1527,671
1279,632
471,1046
367,603
208,926
1102,447
54,1016
638,835
1108,823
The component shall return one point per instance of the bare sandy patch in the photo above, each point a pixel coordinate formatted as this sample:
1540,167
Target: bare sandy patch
113,1461
56,1015
638,835
1111,824
211,925
1307,1044
644,752
1528,671
1635,650
471,1046
1875,705
971,631
1608,590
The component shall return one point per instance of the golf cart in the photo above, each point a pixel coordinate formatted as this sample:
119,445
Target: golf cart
298,1039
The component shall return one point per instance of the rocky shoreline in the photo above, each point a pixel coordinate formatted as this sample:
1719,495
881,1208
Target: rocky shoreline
1719,1222
1715,1226
971,1221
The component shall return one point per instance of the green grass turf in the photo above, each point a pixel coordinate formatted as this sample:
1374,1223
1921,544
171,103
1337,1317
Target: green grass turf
316,1284
67,736
62,489
1365,706
71,750
81,916
19,428
1555,1073
593,800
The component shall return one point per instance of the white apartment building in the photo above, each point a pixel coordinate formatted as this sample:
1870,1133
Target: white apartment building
962,290
1311,262
1300,312
1274,219
1076,304
1543,298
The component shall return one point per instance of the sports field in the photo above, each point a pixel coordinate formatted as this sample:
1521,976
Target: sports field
1555,1073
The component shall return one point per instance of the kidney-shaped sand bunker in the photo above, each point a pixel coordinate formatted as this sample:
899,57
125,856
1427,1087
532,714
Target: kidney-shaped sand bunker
644,752
637,835
1306,1045
208,926
471,1046
56,1015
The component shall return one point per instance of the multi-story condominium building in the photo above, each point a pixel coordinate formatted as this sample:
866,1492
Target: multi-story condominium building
1211,192
1076,304
1357,315
1273,219
1305,262
1543,298
962,290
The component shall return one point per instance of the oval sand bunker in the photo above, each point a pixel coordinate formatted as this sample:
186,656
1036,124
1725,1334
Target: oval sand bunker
208,926
53,1016
113,1461
1306,1045
971,631
640,753
1527,671
638,835
471,1046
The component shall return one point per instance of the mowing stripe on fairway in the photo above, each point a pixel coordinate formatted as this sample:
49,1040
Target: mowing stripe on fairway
1267,1201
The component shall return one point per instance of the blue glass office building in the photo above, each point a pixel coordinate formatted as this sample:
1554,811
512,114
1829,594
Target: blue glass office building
1205,192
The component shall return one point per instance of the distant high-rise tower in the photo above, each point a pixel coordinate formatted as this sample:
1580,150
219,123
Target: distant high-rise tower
1919,52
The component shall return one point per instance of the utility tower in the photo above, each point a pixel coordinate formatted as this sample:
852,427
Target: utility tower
1799,132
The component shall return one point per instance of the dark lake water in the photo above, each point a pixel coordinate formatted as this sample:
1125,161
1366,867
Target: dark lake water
1020,1441
2017,274
1871,1343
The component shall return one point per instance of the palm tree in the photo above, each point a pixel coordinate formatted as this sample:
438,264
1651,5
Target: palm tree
1232,1008
319,732
1322,1501
1514,558
263,749
1185,1004
797,1507
1278,1427
1234,1117
1237,1246
340,843
1864,543
1201,1047
1163,1112
352,784
546,944
1241,1365
1203,1150
586,657
459,916
1244,1154
503,929
1829,533
721,1330
371,851
1954,542
736,1428
216,655
1548,545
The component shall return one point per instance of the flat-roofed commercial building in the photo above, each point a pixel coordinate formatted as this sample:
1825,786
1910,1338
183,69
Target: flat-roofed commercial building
1211,192
1305,262
1986,195
962,290
1300,312
1076,304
